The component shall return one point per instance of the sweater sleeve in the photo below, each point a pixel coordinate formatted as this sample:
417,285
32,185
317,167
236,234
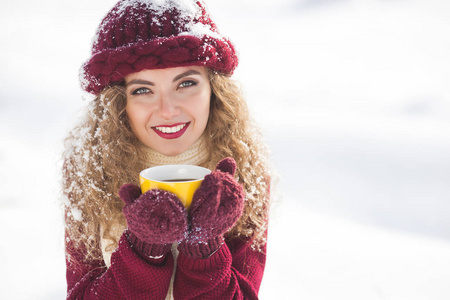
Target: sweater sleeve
128,277
235,271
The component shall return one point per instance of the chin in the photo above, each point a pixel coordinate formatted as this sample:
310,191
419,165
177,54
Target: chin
171,151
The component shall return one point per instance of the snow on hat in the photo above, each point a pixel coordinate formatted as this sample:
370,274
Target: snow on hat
155,34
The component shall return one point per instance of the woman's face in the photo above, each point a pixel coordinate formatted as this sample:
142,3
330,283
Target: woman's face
168,109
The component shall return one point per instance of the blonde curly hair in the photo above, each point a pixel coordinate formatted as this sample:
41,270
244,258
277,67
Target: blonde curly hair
102,153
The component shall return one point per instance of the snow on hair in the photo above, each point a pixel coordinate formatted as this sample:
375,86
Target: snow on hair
102,154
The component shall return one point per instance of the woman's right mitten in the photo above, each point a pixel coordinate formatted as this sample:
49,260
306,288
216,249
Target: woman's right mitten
155,220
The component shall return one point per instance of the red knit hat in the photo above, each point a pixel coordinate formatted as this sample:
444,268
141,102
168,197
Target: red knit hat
155,34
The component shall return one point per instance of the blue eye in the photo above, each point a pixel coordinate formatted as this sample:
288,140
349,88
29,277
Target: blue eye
187,83
140,91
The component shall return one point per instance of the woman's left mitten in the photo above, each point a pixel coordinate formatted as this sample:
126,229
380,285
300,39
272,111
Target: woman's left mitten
216,206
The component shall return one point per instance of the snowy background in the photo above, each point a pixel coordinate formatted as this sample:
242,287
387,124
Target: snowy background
354,97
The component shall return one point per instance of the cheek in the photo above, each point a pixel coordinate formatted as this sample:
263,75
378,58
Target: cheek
202,112
140,109
131,115
136,116
205,105
207,111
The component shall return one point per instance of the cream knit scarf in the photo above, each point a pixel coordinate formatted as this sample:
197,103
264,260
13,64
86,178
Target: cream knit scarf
195,155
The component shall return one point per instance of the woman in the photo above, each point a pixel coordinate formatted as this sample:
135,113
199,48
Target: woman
160,72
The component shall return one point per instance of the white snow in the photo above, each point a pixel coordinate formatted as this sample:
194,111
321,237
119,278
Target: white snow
200,30
353,96
160,6
188,11
77,214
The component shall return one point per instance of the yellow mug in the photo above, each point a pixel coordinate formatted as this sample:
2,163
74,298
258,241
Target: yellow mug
181,180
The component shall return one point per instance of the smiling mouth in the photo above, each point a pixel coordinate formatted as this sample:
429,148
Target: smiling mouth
171,129
171,132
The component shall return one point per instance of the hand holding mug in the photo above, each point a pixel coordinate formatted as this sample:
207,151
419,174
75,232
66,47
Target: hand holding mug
155,219
216,206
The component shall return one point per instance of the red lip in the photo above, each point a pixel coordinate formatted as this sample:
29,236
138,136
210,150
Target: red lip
174,135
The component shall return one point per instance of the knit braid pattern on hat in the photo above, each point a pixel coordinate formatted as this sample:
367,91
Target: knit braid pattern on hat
144,34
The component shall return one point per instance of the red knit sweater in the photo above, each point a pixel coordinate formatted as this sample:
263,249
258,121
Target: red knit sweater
234,272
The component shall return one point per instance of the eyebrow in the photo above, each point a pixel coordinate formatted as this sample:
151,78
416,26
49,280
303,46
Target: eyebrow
178,77
140,81
187,73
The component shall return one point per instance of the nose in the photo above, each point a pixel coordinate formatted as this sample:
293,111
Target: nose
168,108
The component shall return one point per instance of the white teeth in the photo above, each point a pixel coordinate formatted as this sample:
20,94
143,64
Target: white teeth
171,129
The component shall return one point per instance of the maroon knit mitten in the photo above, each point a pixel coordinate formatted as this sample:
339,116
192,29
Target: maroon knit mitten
215,208
155,220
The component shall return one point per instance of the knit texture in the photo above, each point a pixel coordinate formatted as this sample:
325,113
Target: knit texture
129,277
155,219
235,271
200,249
143,34
216,207
194,155
147,250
